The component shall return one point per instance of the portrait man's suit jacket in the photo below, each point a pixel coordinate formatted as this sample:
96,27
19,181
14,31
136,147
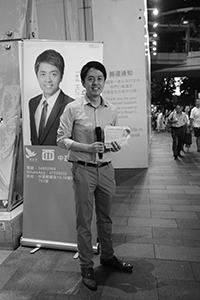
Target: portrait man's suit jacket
50,131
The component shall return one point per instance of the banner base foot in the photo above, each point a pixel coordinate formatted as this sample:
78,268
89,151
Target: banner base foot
35,250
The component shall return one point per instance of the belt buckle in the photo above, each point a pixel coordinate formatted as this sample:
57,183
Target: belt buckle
99,163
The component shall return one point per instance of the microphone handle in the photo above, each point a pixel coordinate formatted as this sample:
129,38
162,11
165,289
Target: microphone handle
99,139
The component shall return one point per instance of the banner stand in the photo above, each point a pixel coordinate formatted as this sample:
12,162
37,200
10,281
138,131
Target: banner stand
49,219
38,244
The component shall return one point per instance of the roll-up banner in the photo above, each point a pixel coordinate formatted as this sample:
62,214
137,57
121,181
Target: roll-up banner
49,206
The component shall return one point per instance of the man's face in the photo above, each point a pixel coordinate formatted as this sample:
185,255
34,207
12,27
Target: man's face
94,83
49,78
178,109
198,102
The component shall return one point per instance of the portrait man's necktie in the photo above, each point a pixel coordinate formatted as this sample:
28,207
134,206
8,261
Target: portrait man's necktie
43,119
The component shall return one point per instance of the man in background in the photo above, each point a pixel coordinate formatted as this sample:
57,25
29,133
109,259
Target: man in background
45,109
195,122
178,121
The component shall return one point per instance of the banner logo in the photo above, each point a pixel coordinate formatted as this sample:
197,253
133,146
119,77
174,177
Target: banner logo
29,153
48,154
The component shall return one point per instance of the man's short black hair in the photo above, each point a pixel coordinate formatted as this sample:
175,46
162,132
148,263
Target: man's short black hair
51,57
92,65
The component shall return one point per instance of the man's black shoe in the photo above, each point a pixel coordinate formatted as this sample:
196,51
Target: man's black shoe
88,278
117,263
175,156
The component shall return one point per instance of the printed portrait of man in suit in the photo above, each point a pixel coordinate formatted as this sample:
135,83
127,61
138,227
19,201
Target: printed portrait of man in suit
46,108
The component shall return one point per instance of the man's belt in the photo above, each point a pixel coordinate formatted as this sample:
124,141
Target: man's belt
95,165
175,128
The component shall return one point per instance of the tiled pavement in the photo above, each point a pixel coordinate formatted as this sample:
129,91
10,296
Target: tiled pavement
156,215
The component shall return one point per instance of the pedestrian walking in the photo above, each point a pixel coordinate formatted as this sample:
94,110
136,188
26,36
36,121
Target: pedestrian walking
178,119
195,122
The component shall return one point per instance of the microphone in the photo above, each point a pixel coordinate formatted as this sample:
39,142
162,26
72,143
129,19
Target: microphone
99,139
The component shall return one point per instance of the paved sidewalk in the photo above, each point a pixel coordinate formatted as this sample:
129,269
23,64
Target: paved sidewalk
156,216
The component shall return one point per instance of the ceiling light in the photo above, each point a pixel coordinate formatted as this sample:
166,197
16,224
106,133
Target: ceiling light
155,12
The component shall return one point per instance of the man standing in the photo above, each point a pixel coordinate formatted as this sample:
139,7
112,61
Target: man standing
81,132
45,109
178,120
195,122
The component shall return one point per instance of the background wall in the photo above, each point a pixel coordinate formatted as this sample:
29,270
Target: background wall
120,25
61,20
12,26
